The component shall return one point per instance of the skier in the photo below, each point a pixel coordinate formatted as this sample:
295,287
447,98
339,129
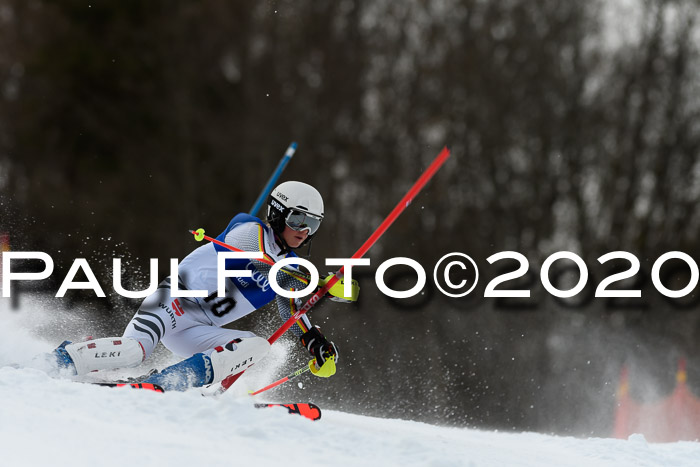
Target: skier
192,327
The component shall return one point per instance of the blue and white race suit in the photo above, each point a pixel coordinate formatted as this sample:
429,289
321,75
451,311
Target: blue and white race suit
190,325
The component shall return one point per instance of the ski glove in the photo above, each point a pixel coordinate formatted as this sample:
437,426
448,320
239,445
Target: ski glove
325,353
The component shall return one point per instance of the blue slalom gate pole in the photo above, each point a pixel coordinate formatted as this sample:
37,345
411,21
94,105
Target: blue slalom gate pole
273,179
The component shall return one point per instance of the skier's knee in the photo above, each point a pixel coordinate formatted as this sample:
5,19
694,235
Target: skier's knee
105,354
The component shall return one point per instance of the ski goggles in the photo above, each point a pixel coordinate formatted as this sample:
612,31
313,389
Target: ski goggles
298,220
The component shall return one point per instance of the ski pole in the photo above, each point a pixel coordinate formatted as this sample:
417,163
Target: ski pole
273,178
199,236
400,207
289,377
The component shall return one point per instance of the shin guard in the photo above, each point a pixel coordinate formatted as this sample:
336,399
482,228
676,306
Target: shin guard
105,354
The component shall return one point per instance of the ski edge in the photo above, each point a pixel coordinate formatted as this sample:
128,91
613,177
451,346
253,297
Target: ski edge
146,386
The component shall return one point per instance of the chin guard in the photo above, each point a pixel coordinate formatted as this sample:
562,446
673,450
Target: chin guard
337,292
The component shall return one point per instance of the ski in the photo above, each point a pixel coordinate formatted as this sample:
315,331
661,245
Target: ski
308,410
146,386
126,380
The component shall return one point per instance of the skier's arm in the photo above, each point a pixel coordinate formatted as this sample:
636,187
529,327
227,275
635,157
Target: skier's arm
325,353
286,306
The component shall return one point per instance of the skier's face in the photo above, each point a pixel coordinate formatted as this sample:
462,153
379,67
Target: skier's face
294,238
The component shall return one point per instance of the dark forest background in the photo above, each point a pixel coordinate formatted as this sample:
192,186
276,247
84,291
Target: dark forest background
573,126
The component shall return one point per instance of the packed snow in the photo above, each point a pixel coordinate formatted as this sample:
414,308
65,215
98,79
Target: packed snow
59,422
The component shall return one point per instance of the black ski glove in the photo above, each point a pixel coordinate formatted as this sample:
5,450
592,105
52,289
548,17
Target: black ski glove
318,346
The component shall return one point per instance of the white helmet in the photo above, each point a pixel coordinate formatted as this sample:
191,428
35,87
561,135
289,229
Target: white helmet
296,205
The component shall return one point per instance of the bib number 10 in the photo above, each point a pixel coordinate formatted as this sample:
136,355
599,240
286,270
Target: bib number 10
602,290
220,305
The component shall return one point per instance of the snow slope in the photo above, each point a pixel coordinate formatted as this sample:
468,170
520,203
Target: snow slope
46,421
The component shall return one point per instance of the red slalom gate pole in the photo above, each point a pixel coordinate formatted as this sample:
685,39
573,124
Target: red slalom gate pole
403,204
400,207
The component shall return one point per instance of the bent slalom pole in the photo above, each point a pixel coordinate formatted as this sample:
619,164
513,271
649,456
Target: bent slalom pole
273,178
393,215
289,377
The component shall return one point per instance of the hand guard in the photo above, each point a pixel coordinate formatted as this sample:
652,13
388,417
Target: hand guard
325,353
337,292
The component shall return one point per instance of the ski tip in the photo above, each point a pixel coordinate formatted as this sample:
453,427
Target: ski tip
293,145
